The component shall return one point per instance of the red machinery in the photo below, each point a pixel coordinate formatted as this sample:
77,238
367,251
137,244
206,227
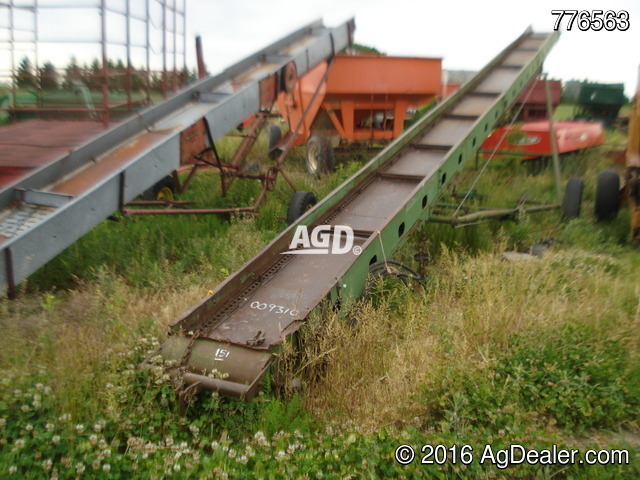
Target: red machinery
532,139
356,98
534,101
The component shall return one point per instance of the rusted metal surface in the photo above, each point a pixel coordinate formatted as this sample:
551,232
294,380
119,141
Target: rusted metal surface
192,142
497,214
281,302
269,298
29,145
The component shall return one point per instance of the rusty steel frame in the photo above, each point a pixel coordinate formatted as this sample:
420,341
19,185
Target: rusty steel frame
239,329
169,82
490,214
234,169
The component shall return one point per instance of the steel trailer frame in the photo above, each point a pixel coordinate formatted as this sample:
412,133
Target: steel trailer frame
229,331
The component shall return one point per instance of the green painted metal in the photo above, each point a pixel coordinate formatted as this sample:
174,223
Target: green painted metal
223,317
386,242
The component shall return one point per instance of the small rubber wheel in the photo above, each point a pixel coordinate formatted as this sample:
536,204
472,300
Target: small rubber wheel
572,198
275,134
319,157
301,203
607,195
165,190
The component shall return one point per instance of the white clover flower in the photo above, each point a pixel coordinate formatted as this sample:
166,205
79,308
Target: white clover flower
39,387
56,439
3,422
97,427
47,464
28,427
19,443
243,459
80,468
93,439
106,467
232,453
13,469
261,439
17,393
280,455
79,428
25,408
150,448
176,467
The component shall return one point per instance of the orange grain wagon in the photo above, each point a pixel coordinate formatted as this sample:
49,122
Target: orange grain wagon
356,98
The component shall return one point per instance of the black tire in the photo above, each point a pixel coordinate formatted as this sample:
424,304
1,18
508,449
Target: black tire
572,198
319,158
165,189
301,202
607,196
275,134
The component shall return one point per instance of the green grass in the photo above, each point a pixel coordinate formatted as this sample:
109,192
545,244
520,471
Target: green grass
487,351
564,111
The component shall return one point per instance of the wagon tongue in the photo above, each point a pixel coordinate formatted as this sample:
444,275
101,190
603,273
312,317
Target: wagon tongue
220,367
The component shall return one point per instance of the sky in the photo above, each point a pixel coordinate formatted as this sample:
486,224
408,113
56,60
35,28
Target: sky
466,34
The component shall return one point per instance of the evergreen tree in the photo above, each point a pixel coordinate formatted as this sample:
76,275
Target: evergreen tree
48,76
24,75
93,77
73,71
